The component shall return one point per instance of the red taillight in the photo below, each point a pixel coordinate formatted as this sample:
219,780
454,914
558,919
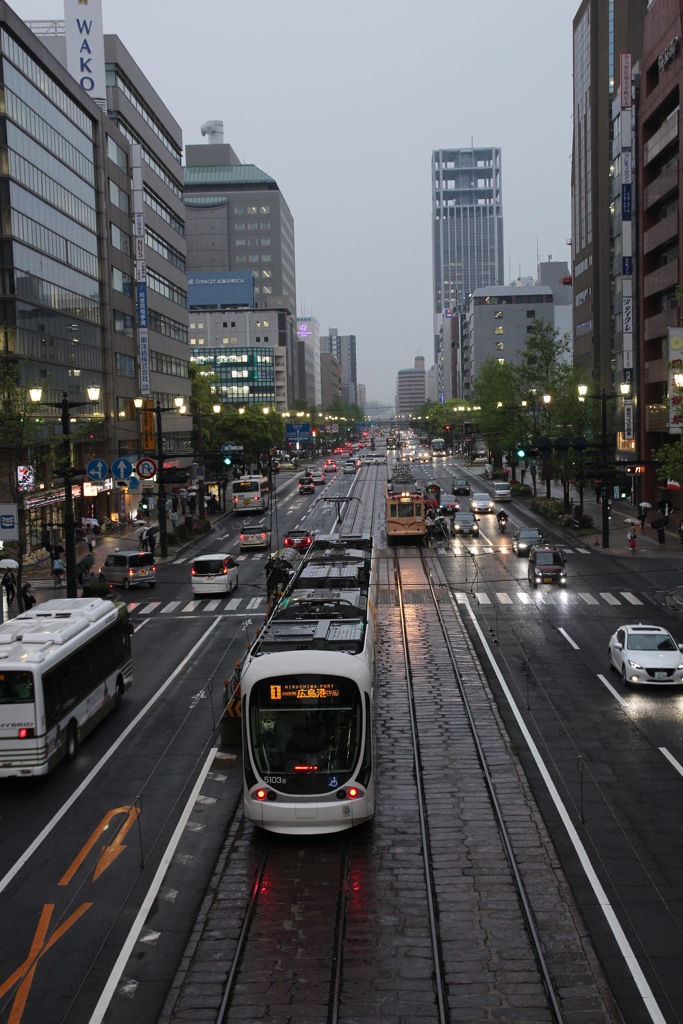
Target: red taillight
194,571
260,794
241,536
154,568
225,570
353,793
26,734
263,536
289,543
131,572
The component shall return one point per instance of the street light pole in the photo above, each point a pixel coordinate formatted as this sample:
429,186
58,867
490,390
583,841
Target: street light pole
161,498
69,525
200,462
605,501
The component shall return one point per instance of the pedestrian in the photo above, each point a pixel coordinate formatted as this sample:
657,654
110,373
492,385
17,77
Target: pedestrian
152,541
642,515
58,571
661,536
665,511
10,586
174,516
598,491
174,503
183,505
632,540
90,538
193,504
27,597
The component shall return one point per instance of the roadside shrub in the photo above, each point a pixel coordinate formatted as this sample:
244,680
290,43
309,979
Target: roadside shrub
520,490
552,509
96,588
202,526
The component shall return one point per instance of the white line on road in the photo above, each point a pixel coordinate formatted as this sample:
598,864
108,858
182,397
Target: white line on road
149,607
629,956
582,551
177,561
191,605
611,689
524,598
132,605
233,603
567,637
504,598
631,598
133,934
672,760
169,607
212,605
588,598
483,599
610,598
16,868
143,623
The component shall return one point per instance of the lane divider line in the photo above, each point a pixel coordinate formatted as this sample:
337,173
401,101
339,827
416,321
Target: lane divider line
611,689
672,760
569,640
143,912
646,993
56,818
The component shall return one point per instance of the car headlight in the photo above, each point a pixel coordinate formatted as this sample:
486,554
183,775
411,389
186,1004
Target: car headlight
522,546
538,572
634,664
563,572
456,527
679,667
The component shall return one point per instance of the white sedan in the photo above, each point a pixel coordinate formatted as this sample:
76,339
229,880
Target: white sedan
646,654
481,503
317,476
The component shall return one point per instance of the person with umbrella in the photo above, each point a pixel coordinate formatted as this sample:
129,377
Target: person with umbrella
27,597
151,539
89,538
658,524
642,514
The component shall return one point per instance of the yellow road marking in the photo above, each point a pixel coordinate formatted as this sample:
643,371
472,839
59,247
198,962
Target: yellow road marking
132,813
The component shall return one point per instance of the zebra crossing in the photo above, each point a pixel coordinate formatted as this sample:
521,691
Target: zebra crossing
483,546
562,598
237,605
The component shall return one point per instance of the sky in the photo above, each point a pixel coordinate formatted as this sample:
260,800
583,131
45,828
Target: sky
343,103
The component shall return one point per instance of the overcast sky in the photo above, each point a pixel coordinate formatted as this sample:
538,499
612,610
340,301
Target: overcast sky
343,103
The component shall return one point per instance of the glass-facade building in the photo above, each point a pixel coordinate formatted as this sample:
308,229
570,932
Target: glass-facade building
245,375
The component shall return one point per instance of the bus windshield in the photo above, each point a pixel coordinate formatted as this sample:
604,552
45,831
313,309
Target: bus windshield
240,486
306,729
16,688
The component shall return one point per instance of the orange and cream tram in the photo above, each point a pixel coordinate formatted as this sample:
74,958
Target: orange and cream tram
405,505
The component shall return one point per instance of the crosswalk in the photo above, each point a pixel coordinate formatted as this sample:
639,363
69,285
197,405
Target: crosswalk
555,596
483,546
238,605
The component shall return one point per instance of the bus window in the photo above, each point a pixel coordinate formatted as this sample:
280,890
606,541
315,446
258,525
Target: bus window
245,486
16,688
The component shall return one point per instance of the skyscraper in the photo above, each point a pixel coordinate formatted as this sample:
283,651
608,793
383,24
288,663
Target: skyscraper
467,234
343,348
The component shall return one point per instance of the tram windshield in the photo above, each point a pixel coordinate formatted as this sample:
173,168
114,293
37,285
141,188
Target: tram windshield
306,730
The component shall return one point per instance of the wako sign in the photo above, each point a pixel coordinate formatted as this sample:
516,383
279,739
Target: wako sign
85,46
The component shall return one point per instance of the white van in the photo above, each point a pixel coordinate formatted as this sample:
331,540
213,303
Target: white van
214,574
501,490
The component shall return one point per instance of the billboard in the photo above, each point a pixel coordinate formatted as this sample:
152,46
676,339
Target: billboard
85,46
216,289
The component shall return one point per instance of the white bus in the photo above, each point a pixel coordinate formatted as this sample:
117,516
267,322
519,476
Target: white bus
251,494
63,666
438,448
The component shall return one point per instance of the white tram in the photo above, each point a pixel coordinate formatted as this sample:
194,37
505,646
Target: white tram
307,696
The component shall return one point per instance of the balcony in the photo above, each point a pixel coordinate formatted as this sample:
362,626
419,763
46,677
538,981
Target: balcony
661,279
657,326
661,187
657,417
662,138
655,371
661,233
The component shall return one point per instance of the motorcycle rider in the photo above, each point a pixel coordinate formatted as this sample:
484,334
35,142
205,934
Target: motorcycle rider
502,518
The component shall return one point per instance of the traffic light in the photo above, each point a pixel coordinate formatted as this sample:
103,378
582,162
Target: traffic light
520,453
227,460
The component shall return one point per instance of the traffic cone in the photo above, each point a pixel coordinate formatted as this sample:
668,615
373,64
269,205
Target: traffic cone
595,542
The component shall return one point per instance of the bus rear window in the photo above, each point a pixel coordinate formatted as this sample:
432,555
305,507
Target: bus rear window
16,688
242,486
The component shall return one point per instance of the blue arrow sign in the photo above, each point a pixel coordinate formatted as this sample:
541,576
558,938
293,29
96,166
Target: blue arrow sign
229,447
133,483
97,469
121,469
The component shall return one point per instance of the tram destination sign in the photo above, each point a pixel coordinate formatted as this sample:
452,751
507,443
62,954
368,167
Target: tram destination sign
304,691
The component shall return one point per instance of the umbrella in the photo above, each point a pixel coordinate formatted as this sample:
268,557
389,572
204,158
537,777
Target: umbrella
151,529
644,504
657,524
631,522
91,522
8,563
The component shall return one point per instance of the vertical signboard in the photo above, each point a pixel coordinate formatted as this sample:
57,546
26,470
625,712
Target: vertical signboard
85,47
626,80
675,369
140,266
626,225
148,426
628,420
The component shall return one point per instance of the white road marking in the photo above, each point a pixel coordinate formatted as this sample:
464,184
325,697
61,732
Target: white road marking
206,800
14,870
588,598
133,934
143,623
610,598
567,637
132,605
241,558
582,551
631,598
672,760
629,956
483,599
524,598
212,605
191,605
177,561
150,936
611,689
260,555
149,607
171,606
254,603
232,604
504,598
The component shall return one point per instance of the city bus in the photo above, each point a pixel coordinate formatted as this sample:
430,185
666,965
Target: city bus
391,442
65,664
251,494
438,448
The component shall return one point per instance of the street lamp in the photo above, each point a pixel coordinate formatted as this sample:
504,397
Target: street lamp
65,407
137,402
678,380
547,399
179,402
217,408
583,390
625,387
602,398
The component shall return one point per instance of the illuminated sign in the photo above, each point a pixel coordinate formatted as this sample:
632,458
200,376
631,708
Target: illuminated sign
449,313
304,691
304,331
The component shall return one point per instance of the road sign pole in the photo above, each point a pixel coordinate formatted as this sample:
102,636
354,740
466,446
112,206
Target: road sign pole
69,524
161,492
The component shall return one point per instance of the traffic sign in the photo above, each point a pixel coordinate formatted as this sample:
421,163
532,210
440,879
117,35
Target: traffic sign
133,483
121,469
230,448
146,469
199,471
97,469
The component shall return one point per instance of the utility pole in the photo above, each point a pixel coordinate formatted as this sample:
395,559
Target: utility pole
161,496
200,447
69,525
605,491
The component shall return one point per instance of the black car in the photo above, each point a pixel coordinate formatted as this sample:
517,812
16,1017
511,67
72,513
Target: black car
465,522
524,539
546,565
306,485
460,486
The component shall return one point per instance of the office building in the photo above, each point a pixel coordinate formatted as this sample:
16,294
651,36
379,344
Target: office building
430,384
237,219
308,386
343,348
557,276
330,381
601,32
349,394
500,319
467,236
411,388
141,117
657,401
361,397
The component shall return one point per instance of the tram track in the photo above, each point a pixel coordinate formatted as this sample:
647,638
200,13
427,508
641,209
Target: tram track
410,644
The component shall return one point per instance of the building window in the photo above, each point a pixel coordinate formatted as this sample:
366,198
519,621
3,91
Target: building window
123,323
265,225
225,323
265,259
226,340
165,325
251,209
121,282
118,197
499,329
240,241
265,209
252,226
253,259
265,241
253,242
119,239
499,346
126,409
266,324
267,290
164,287
531,314
167,251
498,315
115,153
266,273
239,227
241,258
529,330
501,361
125,365
238,211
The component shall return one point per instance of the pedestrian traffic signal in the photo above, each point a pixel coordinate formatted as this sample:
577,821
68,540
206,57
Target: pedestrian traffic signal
227,460
520,453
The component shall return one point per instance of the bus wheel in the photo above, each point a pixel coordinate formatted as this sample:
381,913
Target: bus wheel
71,741
118,698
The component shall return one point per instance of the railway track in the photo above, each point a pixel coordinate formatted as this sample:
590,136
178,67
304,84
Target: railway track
418,648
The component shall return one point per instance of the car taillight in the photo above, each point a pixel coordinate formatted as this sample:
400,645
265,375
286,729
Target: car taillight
263,536
260,794
289,543
26,734
194,571
131,572
154,568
